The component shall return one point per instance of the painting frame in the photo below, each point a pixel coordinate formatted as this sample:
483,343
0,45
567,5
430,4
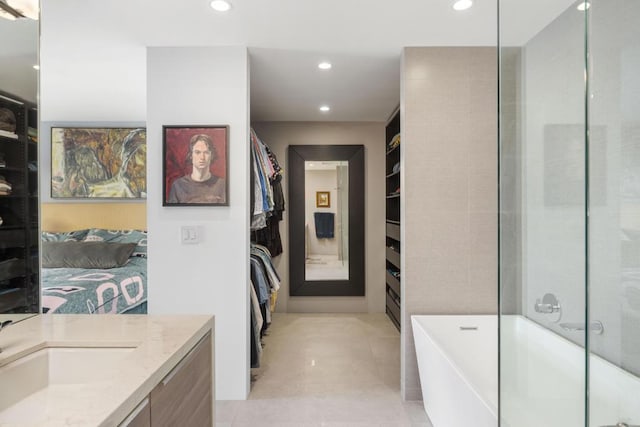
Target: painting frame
204,183
98,162
323,199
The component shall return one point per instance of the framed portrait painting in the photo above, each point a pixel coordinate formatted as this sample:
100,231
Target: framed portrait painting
98,163
195,165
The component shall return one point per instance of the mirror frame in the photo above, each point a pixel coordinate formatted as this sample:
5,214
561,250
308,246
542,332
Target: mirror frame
298,285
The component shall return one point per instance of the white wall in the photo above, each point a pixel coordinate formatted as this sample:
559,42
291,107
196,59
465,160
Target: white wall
279,135
191,86
85,83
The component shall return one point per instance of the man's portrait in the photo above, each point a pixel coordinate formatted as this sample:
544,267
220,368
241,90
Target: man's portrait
195,165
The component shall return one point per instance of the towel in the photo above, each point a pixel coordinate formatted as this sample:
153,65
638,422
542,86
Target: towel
324,224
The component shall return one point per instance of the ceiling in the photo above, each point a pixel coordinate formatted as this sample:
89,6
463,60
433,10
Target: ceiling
287,39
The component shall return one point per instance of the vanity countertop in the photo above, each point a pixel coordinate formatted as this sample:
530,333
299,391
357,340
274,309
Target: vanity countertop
158,343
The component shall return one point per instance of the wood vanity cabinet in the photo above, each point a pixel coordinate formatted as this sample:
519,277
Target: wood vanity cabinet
184,397
140,417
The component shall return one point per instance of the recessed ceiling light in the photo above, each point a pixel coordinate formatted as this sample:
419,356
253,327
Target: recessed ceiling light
324,65
583,6
220,5
36,67
325,108
462,4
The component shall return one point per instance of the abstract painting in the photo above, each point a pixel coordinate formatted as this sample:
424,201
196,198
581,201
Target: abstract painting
94,163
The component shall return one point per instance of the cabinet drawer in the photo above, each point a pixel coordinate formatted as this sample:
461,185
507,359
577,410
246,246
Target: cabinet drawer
393,231
393,308
185,396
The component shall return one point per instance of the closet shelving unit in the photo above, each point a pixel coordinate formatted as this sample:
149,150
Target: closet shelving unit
393,197
19,261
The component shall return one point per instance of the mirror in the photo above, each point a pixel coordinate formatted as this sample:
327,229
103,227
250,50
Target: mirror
326,220
19,278
326,223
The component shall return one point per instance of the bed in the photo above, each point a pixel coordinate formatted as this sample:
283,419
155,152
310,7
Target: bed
94,271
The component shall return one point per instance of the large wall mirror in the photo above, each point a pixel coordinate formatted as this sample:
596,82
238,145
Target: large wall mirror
326,220
19,251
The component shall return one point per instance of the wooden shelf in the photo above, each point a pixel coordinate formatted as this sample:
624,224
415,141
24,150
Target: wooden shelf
393,283
393,310
392,256
396,148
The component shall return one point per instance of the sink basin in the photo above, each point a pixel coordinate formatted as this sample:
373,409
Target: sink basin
56,367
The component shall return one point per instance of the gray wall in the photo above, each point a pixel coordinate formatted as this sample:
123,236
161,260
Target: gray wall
449,191
510,181
278,136
554,234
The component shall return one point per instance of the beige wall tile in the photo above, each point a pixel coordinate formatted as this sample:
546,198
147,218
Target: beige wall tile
483,194
450,188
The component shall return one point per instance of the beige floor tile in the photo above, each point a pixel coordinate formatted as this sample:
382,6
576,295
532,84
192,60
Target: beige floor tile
326,370
226,410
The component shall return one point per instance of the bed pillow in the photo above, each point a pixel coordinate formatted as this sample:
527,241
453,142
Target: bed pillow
64,236
138,237
85,254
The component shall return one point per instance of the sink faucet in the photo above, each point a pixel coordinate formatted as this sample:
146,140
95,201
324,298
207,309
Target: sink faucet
4,325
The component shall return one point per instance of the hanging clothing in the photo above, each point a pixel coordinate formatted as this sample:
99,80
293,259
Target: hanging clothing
266,208
267,196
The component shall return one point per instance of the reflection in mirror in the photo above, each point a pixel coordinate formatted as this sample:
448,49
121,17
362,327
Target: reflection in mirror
19,279
326,220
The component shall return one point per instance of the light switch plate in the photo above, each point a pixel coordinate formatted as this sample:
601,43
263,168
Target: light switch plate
190,234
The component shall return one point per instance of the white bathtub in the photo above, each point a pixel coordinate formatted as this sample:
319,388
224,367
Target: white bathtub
542,376
458,369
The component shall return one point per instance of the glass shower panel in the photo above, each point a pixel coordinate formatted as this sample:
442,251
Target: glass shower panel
614,212
542,217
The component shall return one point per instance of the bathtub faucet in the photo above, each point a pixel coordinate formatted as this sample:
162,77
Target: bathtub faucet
548,305
595,327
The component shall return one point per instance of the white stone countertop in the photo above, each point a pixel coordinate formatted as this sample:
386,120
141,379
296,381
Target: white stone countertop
160,342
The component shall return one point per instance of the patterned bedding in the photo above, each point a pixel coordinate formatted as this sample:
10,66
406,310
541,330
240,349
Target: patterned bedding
96,291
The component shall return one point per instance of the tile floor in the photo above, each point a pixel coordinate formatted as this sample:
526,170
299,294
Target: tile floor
329,370
326,267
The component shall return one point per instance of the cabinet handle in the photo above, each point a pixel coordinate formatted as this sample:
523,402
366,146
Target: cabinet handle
135,412
183,362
